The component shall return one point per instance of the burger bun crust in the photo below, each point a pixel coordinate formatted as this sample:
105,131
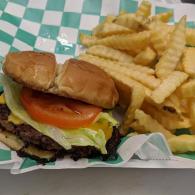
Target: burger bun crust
74,79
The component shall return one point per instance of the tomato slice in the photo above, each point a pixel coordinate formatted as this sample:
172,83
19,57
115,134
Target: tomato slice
58,111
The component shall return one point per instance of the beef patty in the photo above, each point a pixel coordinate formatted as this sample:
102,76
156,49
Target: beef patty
27,133
31,136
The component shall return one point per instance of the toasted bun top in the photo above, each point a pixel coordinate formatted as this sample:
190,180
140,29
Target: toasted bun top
75,79
36,69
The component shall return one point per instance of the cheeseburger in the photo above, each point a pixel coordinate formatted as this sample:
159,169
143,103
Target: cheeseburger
49,110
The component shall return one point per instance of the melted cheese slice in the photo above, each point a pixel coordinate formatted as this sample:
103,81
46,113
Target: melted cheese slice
2,99
11,118
104,126
14,119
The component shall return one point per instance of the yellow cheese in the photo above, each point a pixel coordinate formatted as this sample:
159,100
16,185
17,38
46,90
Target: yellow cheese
11,118
14,119
105,127
2,99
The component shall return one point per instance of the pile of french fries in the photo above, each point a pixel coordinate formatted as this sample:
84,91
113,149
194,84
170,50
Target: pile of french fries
153,66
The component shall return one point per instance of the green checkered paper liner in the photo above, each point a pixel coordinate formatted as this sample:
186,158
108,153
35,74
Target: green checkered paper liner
54,26
130,147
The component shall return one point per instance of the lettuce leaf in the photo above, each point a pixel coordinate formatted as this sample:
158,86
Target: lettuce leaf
67,139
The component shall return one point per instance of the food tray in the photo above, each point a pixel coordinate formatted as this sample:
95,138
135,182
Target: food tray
54,26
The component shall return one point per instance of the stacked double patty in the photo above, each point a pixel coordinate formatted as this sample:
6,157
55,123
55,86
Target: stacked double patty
31,136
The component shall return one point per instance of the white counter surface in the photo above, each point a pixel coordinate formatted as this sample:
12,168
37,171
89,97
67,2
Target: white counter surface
99,181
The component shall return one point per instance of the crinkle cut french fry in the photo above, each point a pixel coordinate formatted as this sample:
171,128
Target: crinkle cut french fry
140,68
172,104
129,52
97,29
98,61
137,98
133,42
179,67
130,21
182,143
192,113
87,40
144,9
188,61
168,86
163,17
128,82
124,86
168,120
122,12
150,124
142,13
124,90
172,55
108,19
160,37
145,57
181,104
147,80
190,37
138,128
184,106
107,29
187,90
109,53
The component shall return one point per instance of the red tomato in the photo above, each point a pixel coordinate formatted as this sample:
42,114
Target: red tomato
58,111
